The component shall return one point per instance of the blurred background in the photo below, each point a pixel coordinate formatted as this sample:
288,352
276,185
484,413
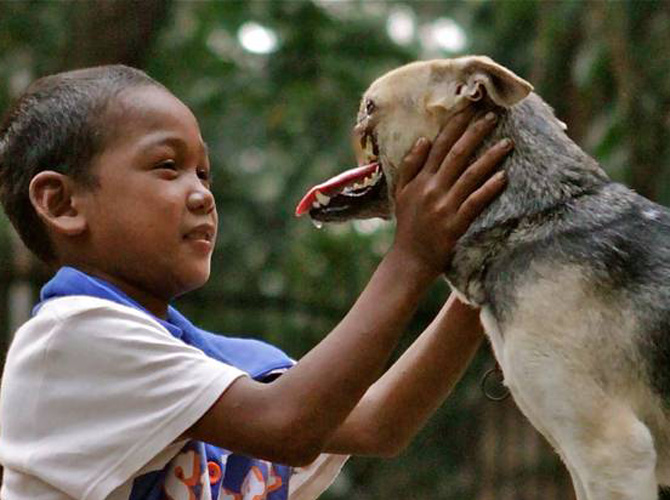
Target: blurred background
275,85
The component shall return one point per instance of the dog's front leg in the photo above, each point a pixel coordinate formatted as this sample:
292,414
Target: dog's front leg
528,410
569,359
513,370
610,453
616,456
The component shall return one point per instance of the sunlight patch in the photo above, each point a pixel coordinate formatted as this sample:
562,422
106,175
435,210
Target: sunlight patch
401,25
257,39
443,34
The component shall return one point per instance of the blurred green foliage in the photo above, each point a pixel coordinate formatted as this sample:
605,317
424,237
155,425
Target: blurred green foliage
278,123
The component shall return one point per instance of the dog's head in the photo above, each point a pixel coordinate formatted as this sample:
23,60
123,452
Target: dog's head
413,101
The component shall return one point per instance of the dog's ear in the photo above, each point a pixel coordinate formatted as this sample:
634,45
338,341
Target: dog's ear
481,76
473,78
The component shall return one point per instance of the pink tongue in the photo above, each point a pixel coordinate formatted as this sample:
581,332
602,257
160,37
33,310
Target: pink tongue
334,185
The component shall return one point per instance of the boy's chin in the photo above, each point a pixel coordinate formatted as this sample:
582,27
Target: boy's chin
195,279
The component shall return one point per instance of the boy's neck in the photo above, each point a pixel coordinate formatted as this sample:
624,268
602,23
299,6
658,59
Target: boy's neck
155,305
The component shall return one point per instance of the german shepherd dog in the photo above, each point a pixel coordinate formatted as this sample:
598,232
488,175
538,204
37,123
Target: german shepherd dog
571,270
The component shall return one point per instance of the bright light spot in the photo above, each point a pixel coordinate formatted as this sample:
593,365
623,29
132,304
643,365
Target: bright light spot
221,43
252,160
336,8
400,25
257,39
19,80
272,283
368,226
443,34
449,35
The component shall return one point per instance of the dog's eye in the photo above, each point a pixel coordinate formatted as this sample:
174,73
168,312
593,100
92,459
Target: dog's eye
369,106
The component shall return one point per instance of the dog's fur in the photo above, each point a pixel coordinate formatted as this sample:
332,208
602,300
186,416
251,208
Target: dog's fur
571,270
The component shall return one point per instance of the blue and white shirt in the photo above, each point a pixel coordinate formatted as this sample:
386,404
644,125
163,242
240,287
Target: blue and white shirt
97,392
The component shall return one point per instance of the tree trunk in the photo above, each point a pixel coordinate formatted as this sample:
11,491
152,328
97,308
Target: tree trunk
113,31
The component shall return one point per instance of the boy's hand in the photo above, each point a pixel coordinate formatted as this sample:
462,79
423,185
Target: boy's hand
438,194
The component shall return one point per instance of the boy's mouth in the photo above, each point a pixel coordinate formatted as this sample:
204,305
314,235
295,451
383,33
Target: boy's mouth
204,232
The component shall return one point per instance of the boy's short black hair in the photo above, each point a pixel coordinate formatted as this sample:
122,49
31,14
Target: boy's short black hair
57,124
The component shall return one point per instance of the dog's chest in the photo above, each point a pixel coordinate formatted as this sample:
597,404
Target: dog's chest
493,331
546,311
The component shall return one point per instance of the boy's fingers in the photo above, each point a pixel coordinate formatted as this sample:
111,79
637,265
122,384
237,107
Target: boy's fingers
480,170
480,199
412,162
447,137
459,155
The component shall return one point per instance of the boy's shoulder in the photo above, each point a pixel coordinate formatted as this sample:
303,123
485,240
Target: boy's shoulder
83,318
73,307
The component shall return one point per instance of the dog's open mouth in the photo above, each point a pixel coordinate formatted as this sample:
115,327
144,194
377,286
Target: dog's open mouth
358,193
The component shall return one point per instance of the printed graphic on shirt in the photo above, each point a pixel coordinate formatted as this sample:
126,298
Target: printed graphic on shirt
205,472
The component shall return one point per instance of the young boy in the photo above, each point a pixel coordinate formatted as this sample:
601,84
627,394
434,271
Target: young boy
109,393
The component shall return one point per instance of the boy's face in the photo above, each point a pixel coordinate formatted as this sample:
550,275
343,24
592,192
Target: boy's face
151,221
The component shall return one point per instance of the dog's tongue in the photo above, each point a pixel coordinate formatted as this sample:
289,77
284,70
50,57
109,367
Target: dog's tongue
334,185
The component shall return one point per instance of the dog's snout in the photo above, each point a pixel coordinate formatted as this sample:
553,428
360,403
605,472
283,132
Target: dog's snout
360,127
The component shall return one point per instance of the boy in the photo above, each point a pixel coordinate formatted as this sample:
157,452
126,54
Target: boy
110,393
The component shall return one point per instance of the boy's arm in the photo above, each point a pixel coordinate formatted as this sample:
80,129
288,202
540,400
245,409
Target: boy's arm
292,419
397,406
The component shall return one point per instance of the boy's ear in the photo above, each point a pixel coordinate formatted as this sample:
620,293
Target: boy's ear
52,196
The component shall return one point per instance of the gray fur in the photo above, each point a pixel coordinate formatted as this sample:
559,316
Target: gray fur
560,208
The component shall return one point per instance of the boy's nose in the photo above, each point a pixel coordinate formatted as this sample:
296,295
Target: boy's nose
200,200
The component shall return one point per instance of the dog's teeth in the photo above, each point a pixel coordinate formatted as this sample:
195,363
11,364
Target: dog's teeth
368,148
322,198
316,204
366,182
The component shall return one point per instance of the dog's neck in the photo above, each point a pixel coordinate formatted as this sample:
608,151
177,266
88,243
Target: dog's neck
546,168
545,171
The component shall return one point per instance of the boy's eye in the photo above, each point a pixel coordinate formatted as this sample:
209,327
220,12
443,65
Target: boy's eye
167,164
204,174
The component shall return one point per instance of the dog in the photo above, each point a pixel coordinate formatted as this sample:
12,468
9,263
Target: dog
570,269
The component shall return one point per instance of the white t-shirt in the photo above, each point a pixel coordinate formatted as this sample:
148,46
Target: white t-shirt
94,394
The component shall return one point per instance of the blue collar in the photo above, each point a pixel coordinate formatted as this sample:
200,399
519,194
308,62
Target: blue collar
255,357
